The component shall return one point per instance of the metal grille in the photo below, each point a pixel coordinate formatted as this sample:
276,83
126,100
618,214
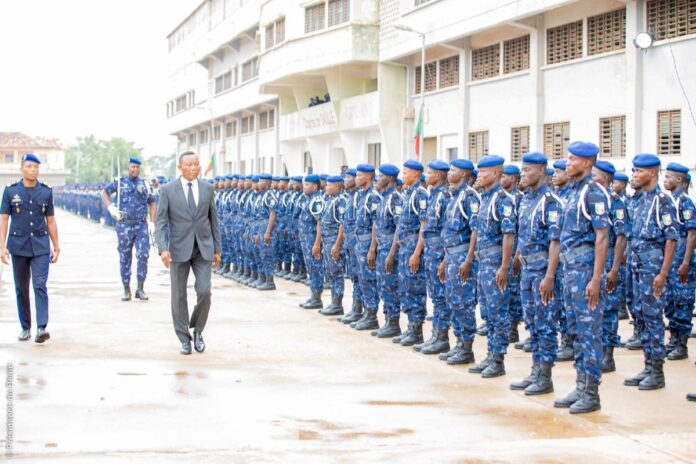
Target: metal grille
671,18
314,17
280,31
606,32
485,62
339,11
430,77
449,72
478,145
519,142
669,132
516,54
270,35
612,135
564,43
556,138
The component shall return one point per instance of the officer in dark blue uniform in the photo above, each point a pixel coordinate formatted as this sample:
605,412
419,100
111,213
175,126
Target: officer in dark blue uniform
30,204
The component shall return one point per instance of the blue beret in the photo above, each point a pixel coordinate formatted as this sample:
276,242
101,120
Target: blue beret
275,178
399,182
210,181
620,176
365,168
439,165
265,176
646,160
284,178
490,161
134,160
297,178
475,172
248,177
583,149
535,158
550,172
676,167
606,166
389,170
462,163
255,179
334,179
161,178
422,177
230,177
31,157
560,164
323,176
511,170
312,178
352,172
414,164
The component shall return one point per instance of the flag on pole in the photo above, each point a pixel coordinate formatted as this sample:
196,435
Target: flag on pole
419,132
212,165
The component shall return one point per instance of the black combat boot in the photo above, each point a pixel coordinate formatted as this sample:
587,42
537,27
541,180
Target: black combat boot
335,308
656,379
433,337
681,350
314,302
482,330
286,271
140,293
278,269
269,284
390,329
440,345
457,347
543,383
259,282
514,333
634,343
480,367
496,368
355,313
520,345
623,312
369,322
691,397
253,276
566,352
672,341
589,399
608,364
403,335
527,381
638,378
126,293
575,395
416,335
463,355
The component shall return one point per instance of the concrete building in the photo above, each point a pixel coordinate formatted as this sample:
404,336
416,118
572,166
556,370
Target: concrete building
14,145
501,77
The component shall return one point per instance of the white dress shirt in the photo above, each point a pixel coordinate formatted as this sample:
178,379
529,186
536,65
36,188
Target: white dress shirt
194,187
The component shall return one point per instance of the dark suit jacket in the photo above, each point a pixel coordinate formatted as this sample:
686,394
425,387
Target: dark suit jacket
176,227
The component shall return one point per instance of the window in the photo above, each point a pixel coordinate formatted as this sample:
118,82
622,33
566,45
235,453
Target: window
671,18
263,121
339,12
374,153
216,133
449,72
516,54
564,43
247,124
452,153
280,31
271,118
669,132
307,162
231,129
314,17
485,62
606,32
478,145
612,136
8,158
270,36
223,82
181,103
249,69
192,139
519,142
203,136
556,138
430,77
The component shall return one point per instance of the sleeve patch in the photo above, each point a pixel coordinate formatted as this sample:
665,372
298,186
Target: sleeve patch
619,214
599,208
687,215
507,211
667,219
553,216
474,207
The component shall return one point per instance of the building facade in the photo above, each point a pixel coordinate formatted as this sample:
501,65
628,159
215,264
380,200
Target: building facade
14,145
341,82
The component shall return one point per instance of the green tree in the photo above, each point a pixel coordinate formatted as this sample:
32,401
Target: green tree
92,160
163,165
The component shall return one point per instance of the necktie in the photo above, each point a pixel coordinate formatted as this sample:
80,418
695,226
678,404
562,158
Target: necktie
191,203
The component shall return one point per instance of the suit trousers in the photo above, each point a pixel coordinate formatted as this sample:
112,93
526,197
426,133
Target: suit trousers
179,273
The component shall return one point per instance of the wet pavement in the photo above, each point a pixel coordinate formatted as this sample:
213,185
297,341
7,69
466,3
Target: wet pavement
278,383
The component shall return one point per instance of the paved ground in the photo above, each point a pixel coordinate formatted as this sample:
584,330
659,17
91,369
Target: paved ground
278,383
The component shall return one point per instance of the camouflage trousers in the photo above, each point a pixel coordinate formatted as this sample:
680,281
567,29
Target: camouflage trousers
495,304
367,277
460,297
334,267
610,309
352,267
680,304
387,284
130,235
649,313
412,287
433,255
541,320
315,267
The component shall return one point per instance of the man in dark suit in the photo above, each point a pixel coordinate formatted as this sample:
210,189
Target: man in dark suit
188,237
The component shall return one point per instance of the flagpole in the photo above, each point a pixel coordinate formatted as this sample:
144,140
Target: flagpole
419,149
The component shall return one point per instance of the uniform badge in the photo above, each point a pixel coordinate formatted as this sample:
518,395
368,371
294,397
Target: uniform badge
619,214
507,211
374,206
397,210
599,208
341,210
140,188
16,199
667,219
553,216
474,207
423,204
687,214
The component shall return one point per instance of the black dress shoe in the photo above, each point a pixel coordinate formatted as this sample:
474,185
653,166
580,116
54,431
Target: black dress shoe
24,335
42,335
691,396
185,348
198,342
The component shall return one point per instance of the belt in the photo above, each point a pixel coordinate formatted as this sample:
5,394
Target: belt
384,238
488,252
433,240
364,237
457,248
133,221
534,258
571,255
408,239
646,256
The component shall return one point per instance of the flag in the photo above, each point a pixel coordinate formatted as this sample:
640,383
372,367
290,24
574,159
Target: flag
212,166
419,132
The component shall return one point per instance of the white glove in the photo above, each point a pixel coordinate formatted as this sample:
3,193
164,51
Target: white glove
151,228
114,211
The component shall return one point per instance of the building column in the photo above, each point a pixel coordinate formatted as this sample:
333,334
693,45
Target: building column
635,20
537,58
464,77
